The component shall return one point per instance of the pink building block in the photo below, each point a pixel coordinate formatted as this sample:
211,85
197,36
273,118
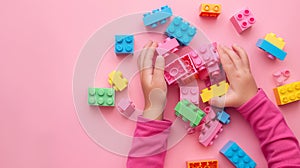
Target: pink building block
242,20
174,71
210,132
281,76
169,45
190,93
199,65
126,107
192,72
210,56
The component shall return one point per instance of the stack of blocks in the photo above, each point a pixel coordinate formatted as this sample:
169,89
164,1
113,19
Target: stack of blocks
273,46
214,91
210,10
202,164
237,156
116,79
287,93
242,20
157,16
101,96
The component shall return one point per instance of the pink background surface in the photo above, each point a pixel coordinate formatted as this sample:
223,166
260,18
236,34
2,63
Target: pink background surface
39,45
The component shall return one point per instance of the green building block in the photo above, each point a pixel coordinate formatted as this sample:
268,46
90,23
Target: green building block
101,96
189,112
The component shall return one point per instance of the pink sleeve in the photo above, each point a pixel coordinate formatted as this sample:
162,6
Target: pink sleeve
149,143
278,143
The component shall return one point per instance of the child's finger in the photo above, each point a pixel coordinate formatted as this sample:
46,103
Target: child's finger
234,57
242,53
227,63
158,73
147,67
142,55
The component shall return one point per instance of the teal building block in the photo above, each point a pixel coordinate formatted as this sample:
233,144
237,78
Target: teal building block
101,96
271,49
124,44
181,30
189,112
237,156
157,16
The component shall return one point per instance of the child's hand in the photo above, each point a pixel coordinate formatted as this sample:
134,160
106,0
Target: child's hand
153,82
242,84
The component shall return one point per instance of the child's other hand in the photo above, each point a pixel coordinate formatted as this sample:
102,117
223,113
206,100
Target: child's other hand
153,82
237,68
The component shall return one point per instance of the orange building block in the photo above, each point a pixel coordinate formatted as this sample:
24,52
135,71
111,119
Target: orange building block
202,164
210,10
287,93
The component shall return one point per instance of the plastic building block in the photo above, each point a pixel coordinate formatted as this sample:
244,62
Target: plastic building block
199,65
174,71
189,112
242,20
211,58
116,79
157,16
223,117
276,41
271,49
169,45
287,93
190,93
210,132
101,96
237,156
191,75
281,76
202,164
126,107
214,91
181,30
211,10
124,44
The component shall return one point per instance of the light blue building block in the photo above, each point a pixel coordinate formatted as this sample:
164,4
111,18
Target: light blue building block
181,30
157,16
223,117
124,44
237,156
271,49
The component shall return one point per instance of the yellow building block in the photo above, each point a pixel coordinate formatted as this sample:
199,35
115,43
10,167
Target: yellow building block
287,93
116,79
202,164
214,91
276,41
212,10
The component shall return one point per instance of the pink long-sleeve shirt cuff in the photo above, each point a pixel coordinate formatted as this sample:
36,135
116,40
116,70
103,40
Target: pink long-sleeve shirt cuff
278,143
149,143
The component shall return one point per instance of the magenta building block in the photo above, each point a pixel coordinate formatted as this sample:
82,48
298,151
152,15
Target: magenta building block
169,45
126,107
210,132
174,71
242,20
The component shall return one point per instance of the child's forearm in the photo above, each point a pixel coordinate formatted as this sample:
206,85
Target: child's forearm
149,143
278,143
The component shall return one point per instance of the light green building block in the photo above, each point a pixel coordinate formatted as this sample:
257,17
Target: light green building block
101,96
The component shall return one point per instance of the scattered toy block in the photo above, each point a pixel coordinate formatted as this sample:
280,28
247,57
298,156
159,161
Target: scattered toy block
202,164
287,93
101,96
237,156
276,41
223,117
281,76
181,30
190,93
169,45
124,44
242,20
199,65
174,71
192,71
157,16
271,49
214,91
210,132
210,10
126,107
210,56
189,112
116,79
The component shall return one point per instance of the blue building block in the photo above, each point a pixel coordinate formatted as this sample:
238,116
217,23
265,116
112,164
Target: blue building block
181,30
271,49
223,117
151,19
124,44
237,156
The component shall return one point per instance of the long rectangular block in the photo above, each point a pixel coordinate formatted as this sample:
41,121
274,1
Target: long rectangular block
271,49
209,132
210,56
157,16
101,96
287,93
237,156
202,164
214,91
242,20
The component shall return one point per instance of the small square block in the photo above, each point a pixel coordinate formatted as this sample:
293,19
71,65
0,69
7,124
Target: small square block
124,44
101,96
242,20
210,10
